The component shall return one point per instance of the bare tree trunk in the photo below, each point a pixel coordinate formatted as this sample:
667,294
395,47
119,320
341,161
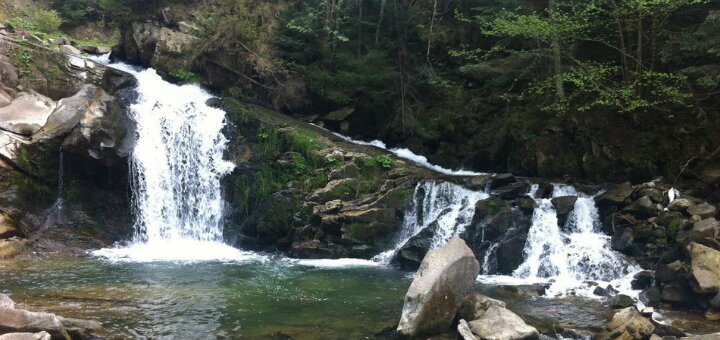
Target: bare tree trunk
639,57
380,20
557,61
623,48
430,34
360,26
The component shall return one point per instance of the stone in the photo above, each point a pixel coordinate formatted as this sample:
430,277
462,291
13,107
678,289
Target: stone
339,115
622,240
564,205
647,311
26,336
464,330
629,324
704,232
621,301
174,50
705,268
655,194
715,301
498,323
411,254
643,207
500,180
8,227
680,204
6,302
703,210
675,293
642,280
650,296
345,188
512,191
445,276
188,27
5,98
475,304
19,320
26,114
77,63
69,49
59,41
615,196
12,247
713,336
79,328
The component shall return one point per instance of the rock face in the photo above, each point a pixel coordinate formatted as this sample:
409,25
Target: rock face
475,304
174,50
435,295
498,323
705,267
26,114
629,324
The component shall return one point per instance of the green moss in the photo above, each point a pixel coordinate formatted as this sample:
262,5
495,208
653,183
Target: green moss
23,60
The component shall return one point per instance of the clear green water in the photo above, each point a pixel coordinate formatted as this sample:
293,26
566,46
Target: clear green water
275,299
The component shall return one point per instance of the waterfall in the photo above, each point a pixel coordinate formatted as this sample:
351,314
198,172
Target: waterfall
448,204
176,168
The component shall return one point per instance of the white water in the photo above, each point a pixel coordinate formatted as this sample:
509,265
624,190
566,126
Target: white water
451,205
408,155
176,168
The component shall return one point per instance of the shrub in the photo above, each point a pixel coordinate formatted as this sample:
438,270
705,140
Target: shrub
48,21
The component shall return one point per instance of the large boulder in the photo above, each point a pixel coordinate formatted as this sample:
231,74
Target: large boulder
680,204
564,205
703,210
174,50
475,305
643,207
705,268
18,320
498,323
435,295
26,114
512,191
26,336
12,247
704,232
615,196
629,324
411,254
8,226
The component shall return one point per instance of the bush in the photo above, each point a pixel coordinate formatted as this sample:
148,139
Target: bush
48,21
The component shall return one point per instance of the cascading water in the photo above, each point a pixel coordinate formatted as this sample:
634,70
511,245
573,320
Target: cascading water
448,204
176,168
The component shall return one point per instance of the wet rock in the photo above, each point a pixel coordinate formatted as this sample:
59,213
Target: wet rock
650,296
675,293
499,323
655,194
622,240
715,301
680,204
512,191
477,183
18,320
475,304
79,328
647,311
674,271
414,250
621,301
642,280
464,330
642,208
26,114
704,232
526,205
713,336
629,324
703,210
8,227
563,207
705,268
12,247
435,295
500,180
95,49
615,196
509,247
545,190
69,49
599,291
6,302
26,336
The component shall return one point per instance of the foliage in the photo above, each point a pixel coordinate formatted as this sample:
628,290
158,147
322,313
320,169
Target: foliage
186,76
384,161
47,21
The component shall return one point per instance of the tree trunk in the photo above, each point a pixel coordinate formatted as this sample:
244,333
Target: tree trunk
556,54
380,20
430,34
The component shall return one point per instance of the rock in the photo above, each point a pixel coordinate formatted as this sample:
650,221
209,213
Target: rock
465,332
26,336
615,196
95,49
668,218
411,254
715,302
526,204
642,208
8,226
650,296
500,180
339,115
642,280
475,304
622,240
545,190
349,170
703,210
599,291
59,41
477,183
11,247
680,204
647,311
655,194
174,50
19,320
629,324
675,293
188,27
512,191
69,49
705,268
563,207
6,302
5,98
498,323
621,301
704,232
26,114
80,329
435,295
714,336
345,188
